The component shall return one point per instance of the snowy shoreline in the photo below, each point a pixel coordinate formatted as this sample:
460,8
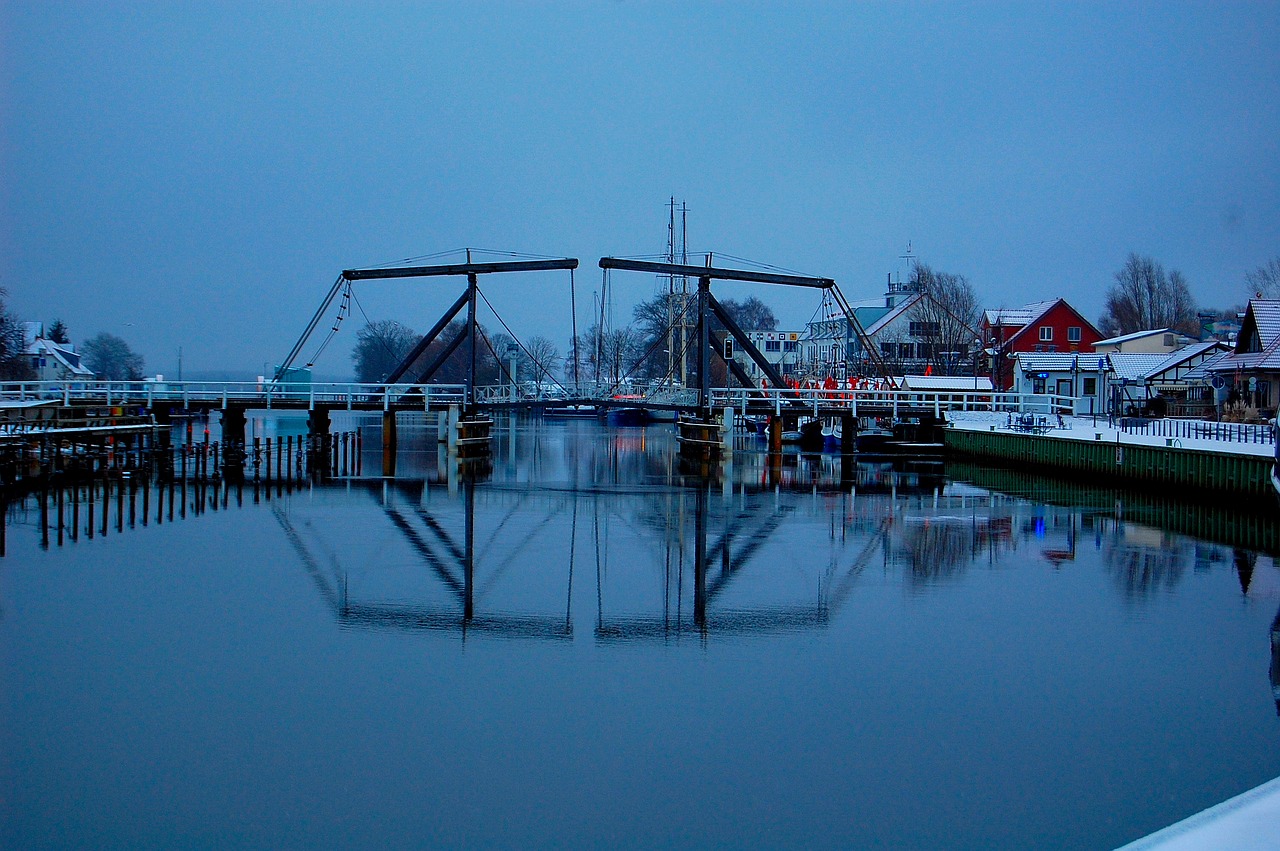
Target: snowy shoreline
1085,429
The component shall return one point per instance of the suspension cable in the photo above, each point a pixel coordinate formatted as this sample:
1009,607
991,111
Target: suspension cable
344,307
541,366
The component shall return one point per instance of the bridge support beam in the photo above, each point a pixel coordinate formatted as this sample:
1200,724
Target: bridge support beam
233,429
163,448
320,453
388,443
726,433
848,435
451,429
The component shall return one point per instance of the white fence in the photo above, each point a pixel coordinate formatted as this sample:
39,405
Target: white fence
264,394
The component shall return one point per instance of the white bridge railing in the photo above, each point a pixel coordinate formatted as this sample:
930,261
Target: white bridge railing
742,398
264,393
267,394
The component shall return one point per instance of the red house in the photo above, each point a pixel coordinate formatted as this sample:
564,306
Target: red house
1046,326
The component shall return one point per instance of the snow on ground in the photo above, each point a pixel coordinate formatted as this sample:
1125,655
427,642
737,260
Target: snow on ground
1246,821
1085,428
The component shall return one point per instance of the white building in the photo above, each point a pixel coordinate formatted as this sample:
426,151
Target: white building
780,348
52,361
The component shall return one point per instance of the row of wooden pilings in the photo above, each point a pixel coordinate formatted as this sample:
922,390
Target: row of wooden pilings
68,510
38,459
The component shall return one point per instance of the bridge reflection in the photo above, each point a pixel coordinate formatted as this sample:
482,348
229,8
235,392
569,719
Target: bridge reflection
570,534
654,562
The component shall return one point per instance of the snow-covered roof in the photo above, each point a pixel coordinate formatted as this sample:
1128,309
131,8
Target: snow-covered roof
1267,359
1134,366
1181,356
1024,315
65,355
893,313
1136,335
944,383
1266,312
1058,361
1206,368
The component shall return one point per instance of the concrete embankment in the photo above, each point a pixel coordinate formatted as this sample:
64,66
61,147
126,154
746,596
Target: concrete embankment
1082,448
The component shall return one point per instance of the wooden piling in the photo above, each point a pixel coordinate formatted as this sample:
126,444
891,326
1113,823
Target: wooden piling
389,439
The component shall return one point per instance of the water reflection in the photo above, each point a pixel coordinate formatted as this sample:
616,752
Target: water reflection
824,636
671,551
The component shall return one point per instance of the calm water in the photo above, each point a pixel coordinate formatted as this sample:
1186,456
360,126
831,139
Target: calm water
583,648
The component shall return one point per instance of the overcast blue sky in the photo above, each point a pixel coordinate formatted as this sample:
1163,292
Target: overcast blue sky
196,175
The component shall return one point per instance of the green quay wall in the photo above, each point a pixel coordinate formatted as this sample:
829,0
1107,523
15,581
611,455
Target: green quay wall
1157,465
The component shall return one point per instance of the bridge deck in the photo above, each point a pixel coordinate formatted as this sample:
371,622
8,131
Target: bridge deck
435,397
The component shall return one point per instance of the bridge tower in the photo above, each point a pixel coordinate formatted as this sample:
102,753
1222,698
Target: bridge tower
469,334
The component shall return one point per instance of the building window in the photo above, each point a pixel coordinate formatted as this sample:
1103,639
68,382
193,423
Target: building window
905,351
1046,333
772,346
925,329
1090,386
1073,334
789,345
886,350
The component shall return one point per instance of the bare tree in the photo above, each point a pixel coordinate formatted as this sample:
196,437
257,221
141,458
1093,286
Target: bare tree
946,315
1264,281
890,342
1144,298
752,314
111,359
544,358
665,324
13,365
609,356
380,347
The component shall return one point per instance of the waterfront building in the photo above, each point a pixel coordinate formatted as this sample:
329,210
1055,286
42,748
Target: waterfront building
52,361
910,331
780,348
1045,326
1079,375
1250,376
1172,383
